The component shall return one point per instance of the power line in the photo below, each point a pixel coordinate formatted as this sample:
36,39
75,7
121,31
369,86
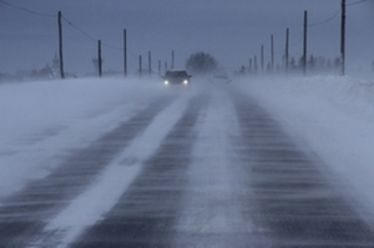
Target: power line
29,11
89,36
357,2
75,27
335,15
327,20
112,47
71,24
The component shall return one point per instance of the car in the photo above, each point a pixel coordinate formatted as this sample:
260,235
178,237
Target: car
177,78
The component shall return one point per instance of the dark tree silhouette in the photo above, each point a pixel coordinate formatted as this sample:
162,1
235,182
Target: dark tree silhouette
201,63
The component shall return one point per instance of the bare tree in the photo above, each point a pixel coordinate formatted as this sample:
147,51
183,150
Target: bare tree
201,63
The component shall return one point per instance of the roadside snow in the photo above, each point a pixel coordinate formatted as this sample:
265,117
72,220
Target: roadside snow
334,116
42,121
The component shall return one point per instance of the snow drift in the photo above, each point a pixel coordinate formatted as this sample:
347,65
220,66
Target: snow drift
333,116
42,121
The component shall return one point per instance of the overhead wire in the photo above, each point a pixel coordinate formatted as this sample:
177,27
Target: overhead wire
88,35
357,2
336,14
27,10
327,20
70,23
78,29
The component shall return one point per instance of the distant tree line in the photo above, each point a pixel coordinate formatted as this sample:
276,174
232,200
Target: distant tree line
201,63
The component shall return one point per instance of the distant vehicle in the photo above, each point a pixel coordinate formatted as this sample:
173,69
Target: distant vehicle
177,78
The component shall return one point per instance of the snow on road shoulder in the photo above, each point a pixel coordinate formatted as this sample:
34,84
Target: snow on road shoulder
334,116
42,121
103,194
212,204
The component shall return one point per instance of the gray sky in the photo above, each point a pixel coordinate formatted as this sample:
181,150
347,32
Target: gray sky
231,30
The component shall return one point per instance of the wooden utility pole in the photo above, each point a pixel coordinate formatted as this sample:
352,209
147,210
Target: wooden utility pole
172,59
140,65
287,49
255,64
272,51
99,59
342,38
262,59
149,62
125,52
166,66
60,45
250,65
305,47
159,67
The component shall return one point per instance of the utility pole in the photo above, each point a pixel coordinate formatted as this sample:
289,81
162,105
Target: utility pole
250,65
172,59
255,64
166,66
140,65
99,59
262,58
287,49
125,52
272,51
305,47
60,45
342,38
159,67
149,63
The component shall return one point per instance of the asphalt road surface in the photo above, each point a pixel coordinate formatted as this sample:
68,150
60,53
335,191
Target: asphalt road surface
207,169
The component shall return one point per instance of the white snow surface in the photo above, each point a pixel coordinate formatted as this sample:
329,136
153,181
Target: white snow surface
42,121
213,202
331,116
105,192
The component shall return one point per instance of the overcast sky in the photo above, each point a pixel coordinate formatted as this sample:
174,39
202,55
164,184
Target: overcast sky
231,30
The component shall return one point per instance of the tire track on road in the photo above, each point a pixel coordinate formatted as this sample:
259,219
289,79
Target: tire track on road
299,204
25,214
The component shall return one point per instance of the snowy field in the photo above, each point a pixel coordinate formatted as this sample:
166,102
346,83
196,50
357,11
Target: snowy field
42,121
333,116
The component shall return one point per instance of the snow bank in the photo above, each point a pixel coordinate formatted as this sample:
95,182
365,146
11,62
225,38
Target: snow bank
333,116
41,121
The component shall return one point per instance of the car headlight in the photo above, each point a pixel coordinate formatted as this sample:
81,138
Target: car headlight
166,82
185,82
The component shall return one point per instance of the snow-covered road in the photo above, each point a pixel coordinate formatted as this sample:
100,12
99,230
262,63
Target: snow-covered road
206,168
